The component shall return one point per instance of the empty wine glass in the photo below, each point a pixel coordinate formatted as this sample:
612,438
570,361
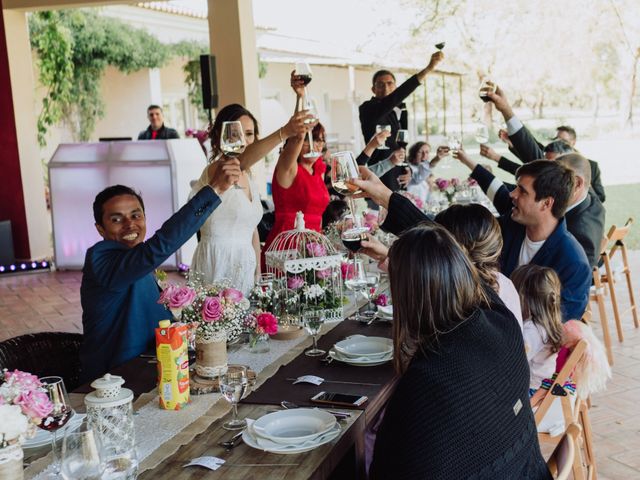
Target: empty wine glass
380,128
232,141
233,386
82,455
486,86
59,416
312,321
356,281
482,134
373,279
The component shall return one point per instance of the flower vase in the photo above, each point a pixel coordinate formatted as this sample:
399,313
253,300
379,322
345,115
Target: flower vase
211,355
258,342
11,462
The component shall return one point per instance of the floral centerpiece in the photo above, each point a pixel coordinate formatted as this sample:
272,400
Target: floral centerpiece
216,311
260,325
454,185
23,405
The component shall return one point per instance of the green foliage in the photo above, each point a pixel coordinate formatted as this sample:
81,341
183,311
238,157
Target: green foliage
74,47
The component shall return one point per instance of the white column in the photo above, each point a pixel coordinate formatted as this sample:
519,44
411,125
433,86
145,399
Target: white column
155,87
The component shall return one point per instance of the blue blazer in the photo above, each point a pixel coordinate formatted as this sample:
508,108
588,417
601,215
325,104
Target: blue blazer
561,251
119,294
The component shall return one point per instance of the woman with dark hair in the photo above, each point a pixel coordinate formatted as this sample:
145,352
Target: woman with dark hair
229,246
298,181
478,231
461,406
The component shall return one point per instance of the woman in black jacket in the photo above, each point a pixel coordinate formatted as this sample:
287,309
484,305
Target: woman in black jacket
461,408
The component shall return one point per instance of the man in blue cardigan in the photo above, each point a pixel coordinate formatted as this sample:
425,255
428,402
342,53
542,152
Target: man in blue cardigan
119,294
534,231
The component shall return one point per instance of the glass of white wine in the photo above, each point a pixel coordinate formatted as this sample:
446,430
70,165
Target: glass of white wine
380,128
233,386
482,134
344,169
356,282
232,140
309,105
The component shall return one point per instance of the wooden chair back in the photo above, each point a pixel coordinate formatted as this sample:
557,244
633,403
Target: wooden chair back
561,461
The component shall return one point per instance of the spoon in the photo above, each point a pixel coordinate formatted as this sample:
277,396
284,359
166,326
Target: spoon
229,444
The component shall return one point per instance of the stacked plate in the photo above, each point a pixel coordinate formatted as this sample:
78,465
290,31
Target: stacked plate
363,351
42,437
291,431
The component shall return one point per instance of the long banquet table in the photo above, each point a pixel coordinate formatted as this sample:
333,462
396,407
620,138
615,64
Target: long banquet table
200,434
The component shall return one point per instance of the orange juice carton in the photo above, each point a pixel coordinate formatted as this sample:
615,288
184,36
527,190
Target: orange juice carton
173,365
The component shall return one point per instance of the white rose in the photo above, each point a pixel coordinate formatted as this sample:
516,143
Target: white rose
244,304
13,423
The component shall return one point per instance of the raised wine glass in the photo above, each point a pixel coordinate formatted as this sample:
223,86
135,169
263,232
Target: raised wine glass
59,416
309,105
303,72
232,141
233,386
344,168
486,86
482,134
380,128
83,456
440,45
312,321
356,281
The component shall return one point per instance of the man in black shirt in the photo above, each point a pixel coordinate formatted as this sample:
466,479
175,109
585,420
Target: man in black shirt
156,129
387,107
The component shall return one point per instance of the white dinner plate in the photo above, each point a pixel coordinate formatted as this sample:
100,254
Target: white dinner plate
294,426
360,361
254,441
362,346
42,437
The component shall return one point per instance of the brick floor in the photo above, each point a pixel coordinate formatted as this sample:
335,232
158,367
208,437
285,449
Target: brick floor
51,301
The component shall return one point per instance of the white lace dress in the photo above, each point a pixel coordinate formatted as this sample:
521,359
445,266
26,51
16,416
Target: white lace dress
225,250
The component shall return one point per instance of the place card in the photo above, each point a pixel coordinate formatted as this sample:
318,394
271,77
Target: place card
212,463
312,379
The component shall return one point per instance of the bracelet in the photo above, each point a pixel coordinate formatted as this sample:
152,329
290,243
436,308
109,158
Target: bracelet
280,135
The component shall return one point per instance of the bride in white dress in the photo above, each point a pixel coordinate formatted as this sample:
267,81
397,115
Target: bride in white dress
229,246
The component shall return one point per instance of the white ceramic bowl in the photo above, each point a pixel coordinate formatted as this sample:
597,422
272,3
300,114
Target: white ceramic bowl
294,426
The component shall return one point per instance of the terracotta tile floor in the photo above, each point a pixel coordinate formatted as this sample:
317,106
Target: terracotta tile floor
51,301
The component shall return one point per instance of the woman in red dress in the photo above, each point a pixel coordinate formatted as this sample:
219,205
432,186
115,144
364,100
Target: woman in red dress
298,184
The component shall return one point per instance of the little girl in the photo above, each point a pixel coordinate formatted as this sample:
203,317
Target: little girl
539,290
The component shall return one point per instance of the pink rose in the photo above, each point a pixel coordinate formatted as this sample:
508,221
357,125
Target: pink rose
441,183
232,295
316,250
455,182
295,282
182,297
212,309
472,182
268,323
34,404
23,381
382,300
346,270
323,274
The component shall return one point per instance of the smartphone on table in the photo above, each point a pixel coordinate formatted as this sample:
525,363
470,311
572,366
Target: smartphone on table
345,399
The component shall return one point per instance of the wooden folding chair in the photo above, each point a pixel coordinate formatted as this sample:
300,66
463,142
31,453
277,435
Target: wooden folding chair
597,294
615,238
561,461
577,413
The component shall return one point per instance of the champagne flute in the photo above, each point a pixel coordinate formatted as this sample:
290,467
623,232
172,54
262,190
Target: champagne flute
344,168
380,128
82,455
486,86
482,134
312,321
59,416
356,282
233,386
232,141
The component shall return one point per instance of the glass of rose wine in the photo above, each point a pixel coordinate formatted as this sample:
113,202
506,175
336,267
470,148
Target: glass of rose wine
59,416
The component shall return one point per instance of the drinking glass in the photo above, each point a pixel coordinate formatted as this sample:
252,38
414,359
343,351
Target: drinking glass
232,141
356,282
59,416
352,238
303,72
309,105
312,321
380,128
482,134
440,45
344,168
486,86
402,138
233,386
82,455
373,279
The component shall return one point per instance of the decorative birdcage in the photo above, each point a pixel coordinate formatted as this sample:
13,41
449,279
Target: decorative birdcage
309,266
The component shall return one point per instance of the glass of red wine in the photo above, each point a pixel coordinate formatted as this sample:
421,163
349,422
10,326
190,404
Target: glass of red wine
59,416
487,86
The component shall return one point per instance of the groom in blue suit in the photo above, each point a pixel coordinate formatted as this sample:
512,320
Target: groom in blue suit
119,294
